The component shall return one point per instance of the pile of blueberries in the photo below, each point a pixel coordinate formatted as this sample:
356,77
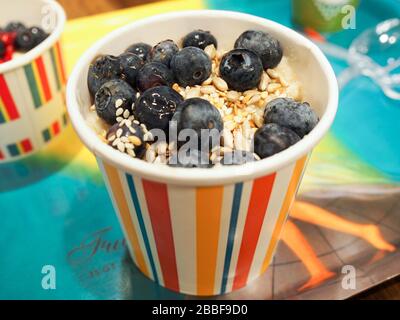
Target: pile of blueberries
17,37
139,82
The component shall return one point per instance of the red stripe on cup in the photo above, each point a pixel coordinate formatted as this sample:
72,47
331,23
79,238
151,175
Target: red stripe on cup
56,128
8,100
158,207
258,205
43,78
26,145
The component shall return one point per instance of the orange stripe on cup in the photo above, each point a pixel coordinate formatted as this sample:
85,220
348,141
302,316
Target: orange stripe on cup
287,202
122,205
208,215
258,205
61,61
158,208
43,79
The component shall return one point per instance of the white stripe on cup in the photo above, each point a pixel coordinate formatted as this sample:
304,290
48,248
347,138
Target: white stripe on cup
26,91
48,64
132,213
182,203
111,195
277,197
148,226
223,234
244,205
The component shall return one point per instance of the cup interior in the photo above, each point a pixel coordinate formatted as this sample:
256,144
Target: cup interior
312,69
47,14
29,12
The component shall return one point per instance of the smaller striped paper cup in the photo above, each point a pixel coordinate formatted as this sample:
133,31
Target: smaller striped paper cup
205,231
32,104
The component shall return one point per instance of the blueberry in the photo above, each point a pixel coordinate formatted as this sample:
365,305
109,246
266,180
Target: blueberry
134,132
191,66
111,96
299,117
2,50
264,45
198,115
237,157
156,106
131,64
199,39
163,52
15,26
140,49
190,158
39,34
103,69
241,69
273,138
25,40
154,74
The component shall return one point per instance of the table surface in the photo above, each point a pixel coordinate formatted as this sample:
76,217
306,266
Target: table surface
80,8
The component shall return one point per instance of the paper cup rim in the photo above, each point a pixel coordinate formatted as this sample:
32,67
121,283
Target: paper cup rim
201,177
31,55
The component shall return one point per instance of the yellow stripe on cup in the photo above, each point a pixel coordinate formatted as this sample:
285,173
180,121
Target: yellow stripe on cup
3,112
287,202
38,82
208,216
122,204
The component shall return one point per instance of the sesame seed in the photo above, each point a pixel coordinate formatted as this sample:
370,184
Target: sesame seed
131,153
119,119
148,136
129,145
119,112
111,138
115,142
119,132
150,155
121,146
118,103
133,130
126,114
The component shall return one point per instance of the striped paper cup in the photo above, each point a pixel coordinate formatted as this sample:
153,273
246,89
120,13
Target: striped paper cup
205,231
32,107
